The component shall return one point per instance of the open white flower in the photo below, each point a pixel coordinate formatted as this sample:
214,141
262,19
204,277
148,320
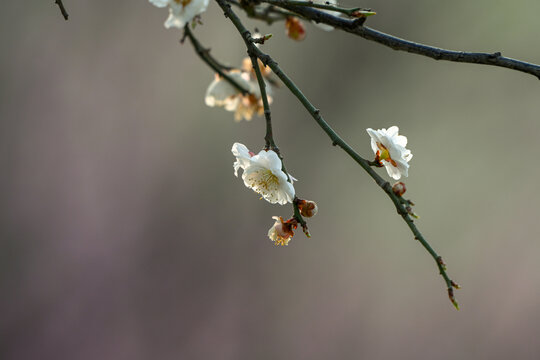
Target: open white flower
389,147
221,93
263,174
181,12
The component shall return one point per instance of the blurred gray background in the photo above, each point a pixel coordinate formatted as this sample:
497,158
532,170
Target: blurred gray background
125,235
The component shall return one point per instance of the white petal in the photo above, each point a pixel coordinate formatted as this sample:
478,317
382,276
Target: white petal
221,93
195,7
403,168
286,193
175,20
268,159
274,162
373,133
242,157
407,155
159,3
392,171
396,152
240,150
400,140
289,190
374,139
392,131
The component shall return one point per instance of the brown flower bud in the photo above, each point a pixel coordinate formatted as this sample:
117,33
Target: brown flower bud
307,208
399,188
295,29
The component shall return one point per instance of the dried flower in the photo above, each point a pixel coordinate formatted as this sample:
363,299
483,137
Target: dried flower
282,231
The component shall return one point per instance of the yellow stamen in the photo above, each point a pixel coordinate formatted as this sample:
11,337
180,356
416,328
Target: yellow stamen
182,2
385,154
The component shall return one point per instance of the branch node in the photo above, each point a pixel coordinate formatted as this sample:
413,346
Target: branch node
358,22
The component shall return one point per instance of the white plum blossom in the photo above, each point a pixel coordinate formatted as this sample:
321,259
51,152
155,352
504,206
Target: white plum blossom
263,174
181,12
222,93
389,148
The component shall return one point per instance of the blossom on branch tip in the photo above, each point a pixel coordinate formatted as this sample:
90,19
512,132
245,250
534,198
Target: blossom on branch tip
181,12
263,174
282,231
389,149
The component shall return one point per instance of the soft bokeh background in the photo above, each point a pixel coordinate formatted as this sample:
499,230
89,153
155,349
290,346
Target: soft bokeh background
125,235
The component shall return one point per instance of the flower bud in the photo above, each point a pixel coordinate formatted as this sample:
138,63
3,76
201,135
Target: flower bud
295,29
307,208
399,188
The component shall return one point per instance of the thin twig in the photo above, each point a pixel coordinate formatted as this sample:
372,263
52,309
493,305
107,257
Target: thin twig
355,27
269,14
205,56
338,141
328,6
62,9
269,137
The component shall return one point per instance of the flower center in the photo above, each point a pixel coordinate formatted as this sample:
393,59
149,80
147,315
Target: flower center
385,154
264,182
182,2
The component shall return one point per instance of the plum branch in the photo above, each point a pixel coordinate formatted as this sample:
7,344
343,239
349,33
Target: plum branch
352,12
205,56
399,203
355,26
269,14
